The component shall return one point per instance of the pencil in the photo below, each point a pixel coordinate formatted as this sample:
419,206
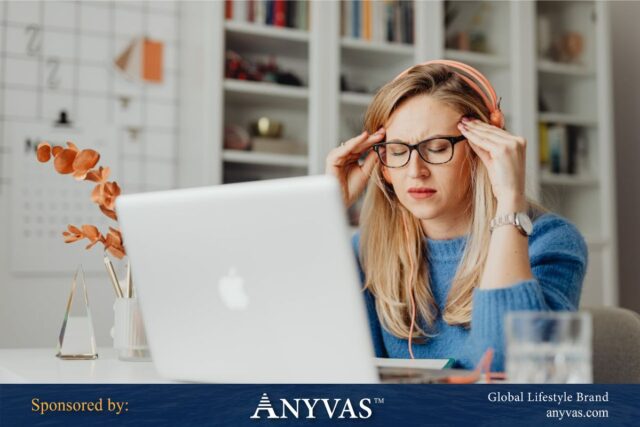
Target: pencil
113,277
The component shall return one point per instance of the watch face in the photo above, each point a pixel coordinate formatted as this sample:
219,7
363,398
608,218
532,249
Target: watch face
525,223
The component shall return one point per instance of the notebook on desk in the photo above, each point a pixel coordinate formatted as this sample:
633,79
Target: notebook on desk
416,371
384,362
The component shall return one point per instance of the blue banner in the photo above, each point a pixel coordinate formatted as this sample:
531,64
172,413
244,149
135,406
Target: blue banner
318,405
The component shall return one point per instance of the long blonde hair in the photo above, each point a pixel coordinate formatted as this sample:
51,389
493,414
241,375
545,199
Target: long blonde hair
388,252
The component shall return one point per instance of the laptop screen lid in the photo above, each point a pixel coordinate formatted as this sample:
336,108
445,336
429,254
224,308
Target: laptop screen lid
251,282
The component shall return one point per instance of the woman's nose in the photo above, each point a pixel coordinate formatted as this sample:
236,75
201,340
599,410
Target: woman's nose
417,167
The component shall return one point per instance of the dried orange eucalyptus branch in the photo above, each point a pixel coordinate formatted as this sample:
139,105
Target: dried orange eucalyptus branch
80,164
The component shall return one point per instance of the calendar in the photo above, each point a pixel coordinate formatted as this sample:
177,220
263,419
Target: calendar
44,202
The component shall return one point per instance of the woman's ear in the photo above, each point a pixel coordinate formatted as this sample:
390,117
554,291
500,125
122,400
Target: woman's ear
386,175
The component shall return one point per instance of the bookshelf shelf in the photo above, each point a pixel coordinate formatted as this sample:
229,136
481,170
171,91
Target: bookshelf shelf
561,179
262,30
271,159
261,92
477,58
261,39
400,49
571,70
567,119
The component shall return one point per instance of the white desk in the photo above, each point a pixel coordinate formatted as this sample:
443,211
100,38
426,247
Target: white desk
40,365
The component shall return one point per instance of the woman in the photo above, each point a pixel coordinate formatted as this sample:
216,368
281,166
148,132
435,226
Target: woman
438,277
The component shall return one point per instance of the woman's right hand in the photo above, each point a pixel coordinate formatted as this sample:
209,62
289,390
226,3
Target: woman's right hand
342,162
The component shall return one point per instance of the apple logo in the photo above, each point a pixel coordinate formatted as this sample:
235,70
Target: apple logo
231,288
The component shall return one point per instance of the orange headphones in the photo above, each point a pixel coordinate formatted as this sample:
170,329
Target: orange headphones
473,78
481,85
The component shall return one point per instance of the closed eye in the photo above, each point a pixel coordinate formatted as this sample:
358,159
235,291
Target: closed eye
437,150
399,153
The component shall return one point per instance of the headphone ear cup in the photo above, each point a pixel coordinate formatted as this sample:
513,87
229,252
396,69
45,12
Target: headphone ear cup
497,119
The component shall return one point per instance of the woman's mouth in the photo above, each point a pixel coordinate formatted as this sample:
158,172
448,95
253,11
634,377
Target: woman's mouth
421,192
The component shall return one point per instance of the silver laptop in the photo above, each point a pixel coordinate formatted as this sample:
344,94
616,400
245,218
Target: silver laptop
251,283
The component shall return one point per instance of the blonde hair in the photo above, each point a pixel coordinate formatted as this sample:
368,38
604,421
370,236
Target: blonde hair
387,256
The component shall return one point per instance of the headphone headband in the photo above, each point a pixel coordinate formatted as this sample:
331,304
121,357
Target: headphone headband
477,81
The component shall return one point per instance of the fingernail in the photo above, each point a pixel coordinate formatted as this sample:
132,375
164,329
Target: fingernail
462,125
465,119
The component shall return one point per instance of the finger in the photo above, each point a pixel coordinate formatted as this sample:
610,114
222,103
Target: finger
358,145
337,155
488,129
487,142
347,145
369,162
483,154
363,137
492,137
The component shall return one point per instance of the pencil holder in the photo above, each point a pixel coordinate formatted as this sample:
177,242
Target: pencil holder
128,334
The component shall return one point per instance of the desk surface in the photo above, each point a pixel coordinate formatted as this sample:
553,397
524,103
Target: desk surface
40,365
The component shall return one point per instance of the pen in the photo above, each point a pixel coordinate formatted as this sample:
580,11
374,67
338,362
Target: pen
129,283
112,275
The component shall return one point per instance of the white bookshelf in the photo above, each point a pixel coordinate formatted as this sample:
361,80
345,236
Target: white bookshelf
579,94
320,115
271,159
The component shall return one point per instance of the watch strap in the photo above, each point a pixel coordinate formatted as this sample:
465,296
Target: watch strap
505,219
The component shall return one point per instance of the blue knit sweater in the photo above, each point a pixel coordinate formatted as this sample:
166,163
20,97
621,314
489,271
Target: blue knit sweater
558,256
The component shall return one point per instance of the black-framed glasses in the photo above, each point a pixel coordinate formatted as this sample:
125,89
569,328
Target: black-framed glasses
435,151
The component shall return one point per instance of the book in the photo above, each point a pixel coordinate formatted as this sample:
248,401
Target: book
377,21
356,19
347,19
389,21
240,11
572,148
302,15
260,12
366,19
558,148
228,9
269,12
280,13
251,10
543,138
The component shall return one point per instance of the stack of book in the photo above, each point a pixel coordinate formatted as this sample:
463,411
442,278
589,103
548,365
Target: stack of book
377,20
563,149
279,13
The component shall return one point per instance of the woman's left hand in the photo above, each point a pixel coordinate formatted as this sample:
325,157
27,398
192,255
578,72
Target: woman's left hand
504,157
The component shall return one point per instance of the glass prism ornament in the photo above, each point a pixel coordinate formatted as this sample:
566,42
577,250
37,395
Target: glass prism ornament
77,340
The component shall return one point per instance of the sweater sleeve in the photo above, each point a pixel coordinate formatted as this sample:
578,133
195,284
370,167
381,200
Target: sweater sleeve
372,315
558,256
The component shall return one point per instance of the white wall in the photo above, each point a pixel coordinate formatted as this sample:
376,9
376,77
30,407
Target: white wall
626,88
84,38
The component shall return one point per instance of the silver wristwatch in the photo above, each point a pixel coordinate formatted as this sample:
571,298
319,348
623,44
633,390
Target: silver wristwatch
519,219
